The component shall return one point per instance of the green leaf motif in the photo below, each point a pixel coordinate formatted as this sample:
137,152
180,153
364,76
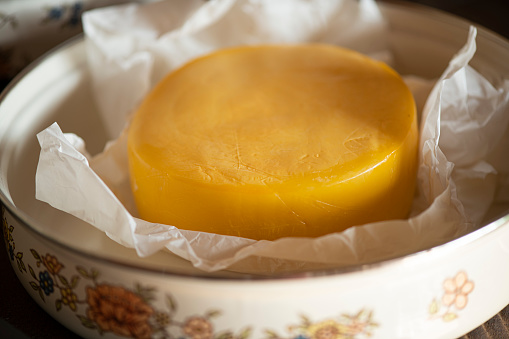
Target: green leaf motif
74,281
41,294
147,289
35,286
19,261
450,316
434,307
63,281
11,229
146,293
83,272
359,314
347,316
306,322
269,334
58,304
21,266
246,333
170,302
35,254
85,321
32,273
212,314
224,335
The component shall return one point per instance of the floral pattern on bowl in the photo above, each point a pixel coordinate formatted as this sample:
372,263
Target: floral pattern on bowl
129,311
343,326
454,299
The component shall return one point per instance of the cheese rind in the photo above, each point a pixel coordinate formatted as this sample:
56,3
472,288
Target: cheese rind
265,142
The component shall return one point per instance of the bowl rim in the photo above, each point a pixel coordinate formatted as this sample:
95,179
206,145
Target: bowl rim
439,250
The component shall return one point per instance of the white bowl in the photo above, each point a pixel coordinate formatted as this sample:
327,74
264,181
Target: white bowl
94,286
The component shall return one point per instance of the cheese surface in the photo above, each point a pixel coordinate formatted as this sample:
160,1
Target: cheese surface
265,142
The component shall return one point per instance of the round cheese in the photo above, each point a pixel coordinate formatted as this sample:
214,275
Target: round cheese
265,142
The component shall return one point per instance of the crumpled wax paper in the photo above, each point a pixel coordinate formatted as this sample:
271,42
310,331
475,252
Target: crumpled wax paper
132,47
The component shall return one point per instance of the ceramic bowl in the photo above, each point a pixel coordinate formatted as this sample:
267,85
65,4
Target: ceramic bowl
96,287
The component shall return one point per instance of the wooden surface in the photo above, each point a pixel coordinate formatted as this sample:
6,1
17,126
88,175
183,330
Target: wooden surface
21,317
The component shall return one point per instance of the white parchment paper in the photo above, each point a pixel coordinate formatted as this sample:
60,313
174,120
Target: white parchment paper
132,47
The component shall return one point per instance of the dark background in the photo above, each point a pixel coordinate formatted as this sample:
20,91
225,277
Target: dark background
21,317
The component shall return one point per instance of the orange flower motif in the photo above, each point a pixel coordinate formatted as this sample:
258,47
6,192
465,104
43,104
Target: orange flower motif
328,329
456,291
115,309
327,332
52,264
198,328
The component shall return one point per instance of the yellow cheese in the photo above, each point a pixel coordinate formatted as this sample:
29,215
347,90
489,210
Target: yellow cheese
266,142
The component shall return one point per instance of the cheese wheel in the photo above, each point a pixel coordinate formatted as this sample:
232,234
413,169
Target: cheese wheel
265,142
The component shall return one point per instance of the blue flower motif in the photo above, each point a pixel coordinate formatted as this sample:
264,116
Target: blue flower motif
76,10
46,282
11,252
77,7
55,13
301,336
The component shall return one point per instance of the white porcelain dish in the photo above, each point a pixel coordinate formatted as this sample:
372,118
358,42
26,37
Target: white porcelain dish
96,287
